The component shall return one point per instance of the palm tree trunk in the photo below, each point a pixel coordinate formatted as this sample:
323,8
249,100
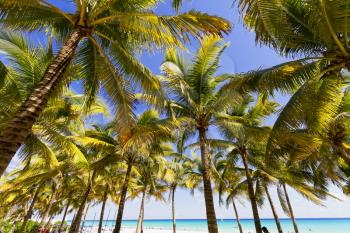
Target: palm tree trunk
251,192
64,216
105,195
290,209
208,192
49,221
173,207
74,228
274,212
20,126
30,210
237,216
48,208
143,218
118,221
81,227
142,209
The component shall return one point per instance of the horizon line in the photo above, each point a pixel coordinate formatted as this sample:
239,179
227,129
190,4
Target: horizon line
220,219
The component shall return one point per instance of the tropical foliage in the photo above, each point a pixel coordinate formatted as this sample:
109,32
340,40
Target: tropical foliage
101,37
198,129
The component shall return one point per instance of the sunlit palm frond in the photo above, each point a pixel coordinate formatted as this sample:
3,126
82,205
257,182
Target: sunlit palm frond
150,29
32,15
284,78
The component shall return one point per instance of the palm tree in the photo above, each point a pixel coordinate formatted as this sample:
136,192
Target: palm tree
228,179
22,77
176,174
231,199
245,139
15,196
106,140
147,129
193,96
90,174
149,182
30,209
105,183
317,32
97,35
263,179
71,185
42,172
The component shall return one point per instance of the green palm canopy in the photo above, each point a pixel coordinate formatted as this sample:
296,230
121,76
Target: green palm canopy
195,97
318,32
102,37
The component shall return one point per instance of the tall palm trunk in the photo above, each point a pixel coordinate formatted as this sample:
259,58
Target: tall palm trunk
30,210
139,227
143,218
20,126
105,195
251,192
208,192
74,228
81,226
49,221
173,207
118,221
64,216
290,208
237,216
274,212
44,221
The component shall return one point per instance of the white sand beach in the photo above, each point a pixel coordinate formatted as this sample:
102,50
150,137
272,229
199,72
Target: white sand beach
132,230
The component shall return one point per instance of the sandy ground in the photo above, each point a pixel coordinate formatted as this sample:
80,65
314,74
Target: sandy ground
131,230
156,231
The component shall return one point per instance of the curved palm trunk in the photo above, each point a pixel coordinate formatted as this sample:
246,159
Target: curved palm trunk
251,192
173,207
30,210
139,227
208,192
20,126
274,212
290,209
103,209
118,221
74,228
64,216
237,216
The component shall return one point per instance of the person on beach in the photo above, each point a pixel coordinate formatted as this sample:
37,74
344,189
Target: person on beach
264,229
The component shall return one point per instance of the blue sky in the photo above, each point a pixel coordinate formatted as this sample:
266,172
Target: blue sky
242,55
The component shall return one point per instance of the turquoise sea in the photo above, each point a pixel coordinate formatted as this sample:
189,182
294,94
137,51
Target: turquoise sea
229,225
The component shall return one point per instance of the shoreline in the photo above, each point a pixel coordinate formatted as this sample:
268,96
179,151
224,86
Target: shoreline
310,225
145,230
219,219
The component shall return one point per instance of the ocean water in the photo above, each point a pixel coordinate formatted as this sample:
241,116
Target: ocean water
229,225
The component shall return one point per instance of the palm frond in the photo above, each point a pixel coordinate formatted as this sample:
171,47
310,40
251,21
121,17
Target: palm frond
150,29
